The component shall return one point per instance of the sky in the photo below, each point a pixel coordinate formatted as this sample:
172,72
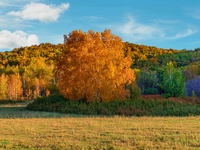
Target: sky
161,23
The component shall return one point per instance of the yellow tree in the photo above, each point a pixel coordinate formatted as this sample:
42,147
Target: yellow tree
3,86
92,67
38,75
14,86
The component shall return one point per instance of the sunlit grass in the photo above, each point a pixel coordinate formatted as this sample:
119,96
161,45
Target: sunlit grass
99,133
24,129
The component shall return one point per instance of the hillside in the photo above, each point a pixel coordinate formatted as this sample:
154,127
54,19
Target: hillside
35,64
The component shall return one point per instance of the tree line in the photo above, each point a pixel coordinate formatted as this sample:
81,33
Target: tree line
29,72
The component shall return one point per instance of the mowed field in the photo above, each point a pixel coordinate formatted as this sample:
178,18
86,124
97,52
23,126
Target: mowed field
23,129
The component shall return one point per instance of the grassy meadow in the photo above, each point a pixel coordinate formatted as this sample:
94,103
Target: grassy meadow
24,129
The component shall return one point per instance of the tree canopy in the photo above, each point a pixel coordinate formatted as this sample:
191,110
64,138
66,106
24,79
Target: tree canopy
92,67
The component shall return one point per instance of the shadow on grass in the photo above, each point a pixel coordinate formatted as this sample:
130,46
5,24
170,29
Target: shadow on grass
22,112
18,110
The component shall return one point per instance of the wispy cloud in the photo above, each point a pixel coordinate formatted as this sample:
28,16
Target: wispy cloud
40,11
138,31
193,12
16,39
16,23
186,33
134,31
4,4
165,21
15,3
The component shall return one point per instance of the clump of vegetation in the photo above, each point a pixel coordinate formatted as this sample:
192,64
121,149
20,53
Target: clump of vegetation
131,107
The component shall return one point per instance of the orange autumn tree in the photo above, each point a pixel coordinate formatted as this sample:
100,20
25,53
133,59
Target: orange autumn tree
93,68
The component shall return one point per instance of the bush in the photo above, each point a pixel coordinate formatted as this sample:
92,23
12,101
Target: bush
151,91
132,107
135,91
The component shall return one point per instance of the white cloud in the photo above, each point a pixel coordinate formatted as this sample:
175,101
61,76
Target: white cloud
39,11
137,31
183,34
16,39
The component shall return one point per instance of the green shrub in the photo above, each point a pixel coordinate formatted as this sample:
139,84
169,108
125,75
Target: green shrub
132,107
151,91
135,91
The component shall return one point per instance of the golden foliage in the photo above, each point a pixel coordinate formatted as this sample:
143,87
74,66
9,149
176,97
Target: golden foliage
14,86
92,67
3,86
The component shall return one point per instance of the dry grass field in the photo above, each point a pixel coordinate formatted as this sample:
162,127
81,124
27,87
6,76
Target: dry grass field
100,133
23,129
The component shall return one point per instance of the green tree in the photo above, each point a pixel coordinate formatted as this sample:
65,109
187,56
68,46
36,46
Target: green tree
173,83
147,80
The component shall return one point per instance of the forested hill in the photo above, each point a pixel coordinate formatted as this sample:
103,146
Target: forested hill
142,55
153,57
145,56
27,72
22,56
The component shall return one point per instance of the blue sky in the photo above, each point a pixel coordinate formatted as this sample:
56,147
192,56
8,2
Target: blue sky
161,23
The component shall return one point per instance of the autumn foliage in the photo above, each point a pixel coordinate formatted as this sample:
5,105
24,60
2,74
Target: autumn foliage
92,67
